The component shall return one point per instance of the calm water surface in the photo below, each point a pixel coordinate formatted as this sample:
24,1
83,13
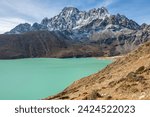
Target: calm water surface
31,79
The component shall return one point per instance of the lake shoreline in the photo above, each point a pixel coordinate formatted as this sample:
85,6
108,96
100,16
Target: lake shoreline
113,58
99,58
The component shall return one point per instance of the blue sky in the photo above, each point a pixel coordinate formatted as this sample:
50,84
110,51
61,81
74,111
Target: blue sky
13,12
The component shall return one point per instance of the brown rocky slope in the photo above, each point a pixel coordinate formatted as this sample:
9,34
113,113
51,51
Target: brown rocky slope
126,78
44,44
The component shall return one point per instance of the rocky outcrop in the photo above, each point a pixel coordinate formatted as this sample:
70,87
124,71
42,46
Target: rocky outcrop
127,78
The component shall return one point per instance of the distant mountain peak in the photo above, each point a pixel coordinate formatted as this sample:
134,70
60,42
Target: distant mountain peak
69,9
103,10
21,28
69,12
80,24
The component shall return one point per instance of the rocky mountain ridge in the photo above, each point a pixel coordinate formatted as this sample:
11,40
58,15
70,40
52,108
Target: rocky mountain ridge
80,24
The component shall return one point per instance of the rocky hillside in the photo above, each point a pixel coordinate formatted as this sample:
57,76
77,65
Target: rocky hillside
44,44
126,78
57,44
121,42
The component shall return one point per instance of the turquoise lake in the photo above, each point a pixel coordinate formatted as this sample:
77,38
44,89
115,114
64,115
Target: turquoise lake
32,79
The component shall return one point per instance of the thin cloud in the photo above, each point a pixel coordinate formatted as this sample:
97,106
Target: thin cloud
106,3
15,12
29,8
101,3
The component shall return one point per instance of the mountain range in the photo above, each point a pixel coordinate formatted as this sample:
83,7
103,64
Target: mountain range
74,33
80,24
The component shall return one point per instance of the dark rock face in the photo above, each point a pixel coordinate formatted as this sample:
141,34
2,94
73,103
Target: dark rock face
44,44
33,44
36,27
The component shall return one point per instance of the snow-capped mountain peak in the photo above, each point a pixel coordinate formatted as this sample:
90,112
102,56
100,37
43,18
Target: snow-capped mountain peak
71,18
101,12
70,10
80,24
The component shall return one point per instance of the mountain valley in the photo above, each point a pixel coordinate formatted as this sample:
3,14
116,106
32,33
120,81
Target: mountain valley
74,33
